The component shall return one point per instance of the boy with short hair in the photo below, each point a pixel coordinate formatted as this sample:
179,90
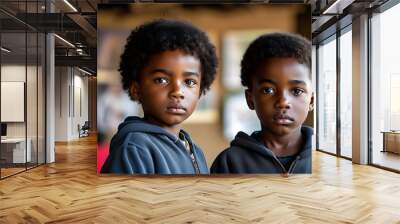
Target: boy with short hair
276,71
166,66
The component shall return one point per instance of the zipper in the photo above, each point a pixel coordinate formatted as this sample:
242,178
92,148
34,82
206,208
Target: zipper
194,162
191,155
285,173
291,168
294,163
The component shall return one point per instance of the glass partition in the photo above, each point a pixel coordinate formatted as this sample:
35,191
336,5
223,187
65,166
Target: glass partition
385,89
41,87
31,98
346,93
22,90
326,106
13,95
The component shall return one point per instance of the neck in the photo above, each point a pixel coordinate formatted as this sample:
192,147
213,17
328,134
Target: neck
174,129
283,145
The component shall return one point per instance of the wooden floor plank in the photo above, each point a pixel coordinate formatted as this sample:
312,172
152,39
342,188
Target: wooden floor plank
70,191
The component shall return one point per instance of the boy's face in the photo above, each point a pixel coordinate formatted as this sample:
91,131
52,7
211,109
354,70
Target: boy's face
281,94
169,87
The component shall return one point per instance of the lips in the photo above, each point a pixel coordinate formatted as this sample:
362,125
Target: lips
176,108
283,119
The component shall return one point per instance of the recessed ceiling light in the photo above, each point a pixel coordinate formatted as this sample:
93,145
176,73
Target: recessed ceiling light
5,49
64,40
84,71
337,7
71,6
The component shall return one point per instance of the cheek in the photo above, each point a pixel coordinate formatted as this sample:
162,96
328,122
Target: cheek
192,92
302,106
153,96
264,103
191,98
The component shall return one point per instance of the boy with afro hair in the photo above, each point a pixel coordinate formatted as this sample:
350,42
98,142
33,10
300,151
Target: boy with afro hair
166,66
275,69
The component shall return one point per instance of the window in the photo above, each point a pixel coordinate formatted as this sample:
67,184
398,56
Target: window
385,88
327,96
346,92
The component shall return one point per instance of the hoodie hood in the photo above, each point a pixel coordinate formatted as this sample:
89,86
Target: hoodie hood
143,148
254,143
137,124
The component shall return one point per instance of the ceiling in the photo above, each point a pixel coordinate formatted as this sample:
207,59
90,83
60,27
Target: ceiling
76,22
73,20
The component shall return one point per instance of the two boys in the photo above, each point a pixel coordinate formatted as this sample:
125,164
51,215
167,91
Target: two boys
167,65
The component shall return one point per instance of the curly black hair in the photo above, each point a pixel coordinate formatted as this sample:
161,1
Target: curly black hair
274,45
166,35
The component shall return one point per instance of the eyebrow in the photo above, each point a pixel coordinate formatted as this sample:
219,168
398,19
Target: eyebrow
291,81
268,81
191,73
298,82
169,73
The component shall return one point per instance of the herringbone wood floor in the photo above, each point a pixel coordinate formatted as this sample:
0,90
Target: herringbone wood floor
70,191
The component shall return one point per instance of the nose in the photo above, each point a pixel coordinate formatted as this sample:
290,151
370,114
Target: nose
176,90
283,101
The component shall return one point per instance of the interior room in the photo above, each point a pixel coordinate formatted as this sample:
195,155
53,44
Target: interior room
22,99
55,71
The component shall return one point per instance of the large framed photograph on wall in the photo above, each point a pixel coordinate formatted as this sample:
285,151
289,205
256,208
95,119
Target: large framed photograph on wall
171,95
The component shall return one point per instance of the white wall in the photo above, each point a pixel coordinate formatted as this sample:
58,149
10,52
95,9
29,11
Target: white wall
33,126
71,94
62,80
13,73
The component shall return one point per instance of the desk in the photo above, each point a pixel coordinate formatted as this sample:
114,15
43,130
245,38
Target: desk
16,147
391,141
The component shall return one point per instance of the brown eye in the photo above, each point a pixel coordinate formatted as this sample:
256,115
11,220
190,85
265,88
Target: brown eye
269,91
190,82
161,80
297,91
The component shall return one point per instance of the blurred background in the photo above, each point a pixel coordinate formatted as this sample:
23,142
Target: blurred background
223,111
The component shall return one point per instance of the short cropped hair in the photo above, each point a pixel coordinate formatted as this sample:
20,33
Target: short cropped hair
166,35
274,45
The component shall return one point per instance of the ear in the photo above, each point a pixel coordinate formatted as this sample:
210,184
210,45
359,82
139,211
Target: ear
311,106
249,99
134,91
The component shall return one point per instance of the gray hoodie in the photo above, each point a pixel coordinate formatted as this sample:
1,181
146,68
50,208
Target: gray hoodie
143,148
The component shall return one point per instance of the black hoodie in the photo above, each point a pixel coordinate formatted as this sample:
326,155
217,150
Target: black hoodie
247,154
143,148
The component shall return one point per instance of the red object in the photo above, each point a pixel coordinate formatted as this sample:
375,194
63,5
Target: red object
102,154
